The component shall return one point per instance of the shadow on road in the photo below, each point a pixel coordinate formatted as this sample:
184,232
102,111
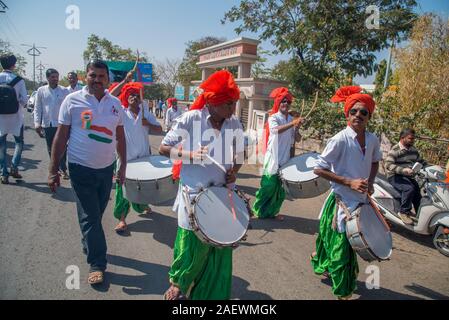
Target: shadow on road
429,293
298,224
62,194
154,280
162,227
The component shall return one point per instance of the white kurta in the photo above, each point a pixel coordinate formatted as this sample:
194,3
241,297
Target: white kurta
194,128
279,144
136,134
12,123
344,157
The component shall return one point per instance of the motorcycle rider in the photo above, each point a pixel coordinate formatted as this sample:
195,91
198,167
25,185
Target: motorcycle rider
398,164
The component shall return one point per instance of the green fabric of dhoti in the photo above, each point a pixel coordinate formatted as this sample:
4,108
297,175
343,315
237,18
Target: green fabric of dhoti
122,205
201,271
269,197
334,253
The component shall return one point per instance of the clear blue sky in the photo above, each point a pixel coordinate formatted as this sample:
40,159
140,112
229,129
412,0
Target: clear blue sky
160,28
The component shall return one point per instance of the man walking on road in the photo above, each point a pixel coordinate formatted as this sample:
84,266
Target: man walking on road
12,101
91,121
46,113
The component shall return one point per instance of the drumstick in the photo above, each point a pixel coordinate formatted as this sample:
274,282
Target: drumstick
377,211
313,106
213,160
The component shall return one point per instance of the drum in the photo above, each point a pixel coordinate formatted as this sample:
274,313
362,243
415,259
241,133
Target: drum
299,180
219,216
149,181
368,235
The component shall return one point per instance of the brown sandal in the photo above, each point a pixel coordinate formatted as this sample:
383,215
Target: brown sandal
95,277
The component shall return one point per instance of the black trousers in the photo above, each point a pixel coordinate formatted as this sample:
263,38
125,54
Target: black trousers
49,137
409,190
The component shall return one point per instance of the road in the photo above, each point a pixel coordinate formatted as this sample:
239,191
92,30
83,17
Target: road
40,238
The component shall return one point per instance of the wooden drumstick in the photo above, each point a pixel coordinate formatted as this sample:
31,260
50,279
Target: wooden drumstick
377,211
313,106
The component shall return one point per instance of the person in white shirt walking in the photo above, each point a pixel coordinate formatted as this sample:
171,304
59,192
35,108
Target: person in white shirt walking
46,112
13,99
172,114
91,122
74,85
350,161
137,123
282,132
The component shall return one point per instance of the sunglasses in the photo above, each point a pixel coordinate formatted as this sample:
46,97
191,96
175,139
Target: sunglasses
363,112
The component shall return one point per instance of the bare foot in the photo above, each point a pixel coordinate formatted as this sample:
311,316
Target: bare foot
173,293
280,217
147,211
121,227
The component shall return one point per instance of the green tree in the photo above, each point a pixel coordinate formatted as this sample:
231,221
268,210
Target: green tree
188,70
329,40
104,49
379,81
5,49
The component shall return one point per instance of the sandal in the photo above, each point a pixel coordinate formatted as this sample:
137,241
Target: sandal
121,228
95,277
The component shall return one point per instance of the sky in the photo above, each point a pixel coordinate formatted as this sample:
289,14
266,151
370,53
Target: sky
159,28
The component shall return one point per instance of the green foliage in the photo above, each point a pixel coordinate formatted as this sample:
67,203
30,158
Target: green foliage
328,39
5,49
379,81
103,49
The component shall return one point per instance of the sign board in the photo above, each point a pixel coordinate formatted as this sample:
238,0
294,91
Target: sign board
179,93
192,95
119,69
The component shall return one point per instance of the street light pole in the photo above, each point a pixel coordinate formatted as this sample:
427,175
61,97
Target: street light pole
34,52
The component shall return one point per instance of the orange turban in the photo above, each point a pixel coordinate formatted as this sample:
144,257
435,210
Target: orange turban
350,96
170,102
218,89
278,95
127,90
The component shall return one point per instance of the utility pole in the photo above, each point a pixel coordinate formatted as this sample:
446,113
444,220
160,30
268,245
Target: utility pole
3,7
41,68
387,73
34,52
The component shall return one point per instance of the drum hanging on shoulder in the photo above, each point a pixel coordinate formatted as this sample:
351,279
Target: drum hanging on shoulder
149,181
299,180
219,216
368,235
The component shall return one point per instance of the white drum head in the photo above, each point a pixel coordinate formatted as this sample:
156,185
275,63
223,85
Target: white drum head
374,232
216,219
300,168
149,168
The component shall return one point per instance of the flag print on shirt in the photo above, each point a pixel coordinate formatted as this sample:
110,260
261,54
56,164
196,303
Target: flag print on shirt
86,122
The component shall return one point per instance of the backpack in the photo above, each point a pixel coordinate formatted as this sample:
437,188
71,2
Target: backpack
8,97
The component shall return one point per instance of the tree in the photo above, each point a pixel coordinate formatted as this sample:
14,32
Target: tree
329,40
259,70
5,49
168,74
421,97
188,70
379,81
103,49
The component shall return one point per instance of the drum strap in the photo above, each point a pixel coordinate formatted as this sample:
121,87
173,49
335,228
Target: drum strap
341,204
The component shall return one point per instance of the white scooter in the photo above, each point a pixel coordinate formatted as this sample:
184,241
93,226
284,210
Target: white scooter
432,217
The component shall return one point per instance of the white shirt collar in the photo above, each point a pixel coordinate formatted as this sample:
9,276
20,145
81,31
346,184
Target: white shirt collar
86,93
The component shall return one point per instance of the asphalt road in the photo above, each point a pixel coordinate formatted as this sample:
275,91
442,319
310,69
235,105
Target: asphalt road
40,238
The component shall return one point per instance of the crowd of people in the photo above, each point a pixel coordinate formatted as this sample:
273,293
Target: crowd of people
98,128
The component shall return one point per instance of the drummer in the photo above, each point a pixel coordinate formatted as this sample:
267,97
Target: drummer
201,271
350,161
281,132
137,124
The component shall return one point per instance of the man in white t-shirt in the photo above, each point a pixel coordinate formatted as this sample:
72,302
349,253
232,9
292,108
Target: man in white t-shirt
91,122
137,123
172,114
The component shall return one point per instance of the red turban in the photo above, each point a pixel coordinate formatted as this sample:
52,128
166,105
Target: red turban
127,90
170,102
278,95
350,96
218,89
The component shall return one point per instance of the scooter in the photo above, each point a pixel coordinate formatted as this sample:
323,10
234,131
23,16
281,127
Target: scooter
432,217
